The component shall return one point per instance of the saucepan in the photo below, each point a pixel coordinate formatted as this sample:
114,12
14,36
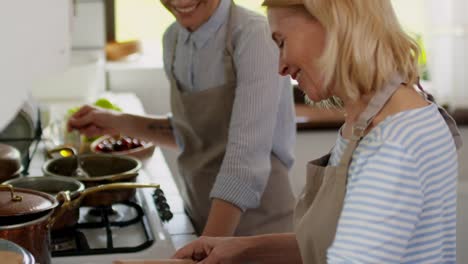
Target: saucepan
102,169
26,216
53,185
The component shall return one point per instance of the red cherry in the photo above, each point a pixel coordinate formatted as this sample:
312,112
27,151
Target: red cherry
136,143
118,146
127,142
106,148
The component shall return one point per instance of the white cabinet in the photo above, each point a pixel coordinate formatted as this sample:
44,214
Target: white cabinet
89,25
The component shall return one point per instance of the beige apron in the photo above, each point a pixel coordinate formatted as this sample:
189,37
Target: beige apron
202,121
320,204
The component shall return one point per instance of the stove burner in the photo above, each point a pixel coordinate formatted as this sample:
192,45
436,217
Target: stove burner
96,214
103,221
68,240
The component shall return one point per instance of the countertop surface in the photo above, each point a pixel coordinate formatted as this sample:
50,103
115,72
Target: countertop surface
310,118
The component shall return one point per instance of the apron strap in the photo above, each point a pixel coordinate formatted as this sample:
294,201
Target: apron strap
452,125
376,104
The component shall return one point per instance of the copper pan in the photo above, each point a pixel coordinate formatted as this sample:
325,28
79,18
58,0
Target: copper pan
26,216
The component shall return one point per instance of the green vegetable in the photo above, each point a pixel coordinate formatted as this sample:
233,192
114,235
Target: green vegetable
104,103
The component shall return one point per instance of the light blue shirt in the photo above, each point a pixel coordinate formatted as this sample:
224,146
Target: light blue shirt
262,120
401,197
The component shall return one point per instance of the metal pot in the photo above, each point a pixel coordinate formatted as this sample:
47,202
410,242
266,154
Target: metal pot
15,253
103,169
10,162
53,185
26,216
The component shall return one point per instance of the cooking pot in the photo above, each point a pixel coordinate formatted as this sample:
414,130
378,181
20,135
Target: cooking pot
26,216
53,185
13,253
102,169
10,162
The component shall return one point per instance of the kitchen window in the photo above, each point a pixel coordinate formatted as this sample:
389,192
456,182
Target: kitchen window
146,20
440,26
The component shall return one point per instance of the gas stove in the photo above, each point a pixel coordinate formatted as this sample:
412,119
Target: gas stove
130,230
151,226
133,230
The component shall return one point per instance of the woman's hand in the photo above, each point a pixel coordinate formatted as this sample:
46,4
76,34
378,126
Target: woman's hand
213,250
94,121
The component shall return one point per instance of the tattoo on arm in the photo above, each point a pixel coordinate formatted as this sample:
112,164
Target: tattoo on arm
155,126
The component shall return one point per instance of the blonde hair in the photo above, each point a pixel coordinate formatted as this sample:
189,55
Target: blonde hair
365,46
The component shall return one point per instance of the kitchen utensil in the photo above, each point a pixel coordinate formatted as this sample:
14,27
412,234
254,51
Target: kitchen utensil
97,165
53,185
105,167
11,253
79,171
10,162
26,216
20,132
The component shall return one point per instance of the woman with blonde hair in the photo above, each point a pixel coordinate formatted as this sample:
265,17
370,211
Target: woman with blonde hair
386,193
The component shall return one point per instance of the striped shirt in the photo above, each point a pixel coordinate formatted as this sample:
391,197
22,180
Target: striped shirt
400,205
262,121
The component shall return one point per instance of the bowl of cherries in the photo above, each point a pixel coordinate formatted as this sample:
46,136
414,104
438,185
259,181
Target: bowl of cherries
123,145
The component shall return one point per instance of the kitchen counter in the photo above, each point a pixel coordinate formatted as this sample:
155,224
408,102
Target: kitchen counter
171,235
310,118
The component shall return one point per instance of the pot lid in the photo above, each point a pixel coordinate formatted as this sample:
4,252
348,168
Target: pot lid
10,160
16,201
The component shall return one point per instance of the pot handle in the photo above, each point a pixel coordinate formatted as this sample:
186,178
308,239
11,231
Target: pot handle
69,204
14,196
110,187
66,205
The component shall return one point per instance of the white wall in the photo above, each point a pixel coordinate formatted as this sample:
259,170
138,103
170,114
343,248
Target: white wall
148,83
447,44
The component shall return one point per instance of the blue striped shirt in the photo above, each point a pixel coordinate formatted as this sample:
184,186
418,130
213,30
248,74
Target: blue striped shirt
262,120
400,205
